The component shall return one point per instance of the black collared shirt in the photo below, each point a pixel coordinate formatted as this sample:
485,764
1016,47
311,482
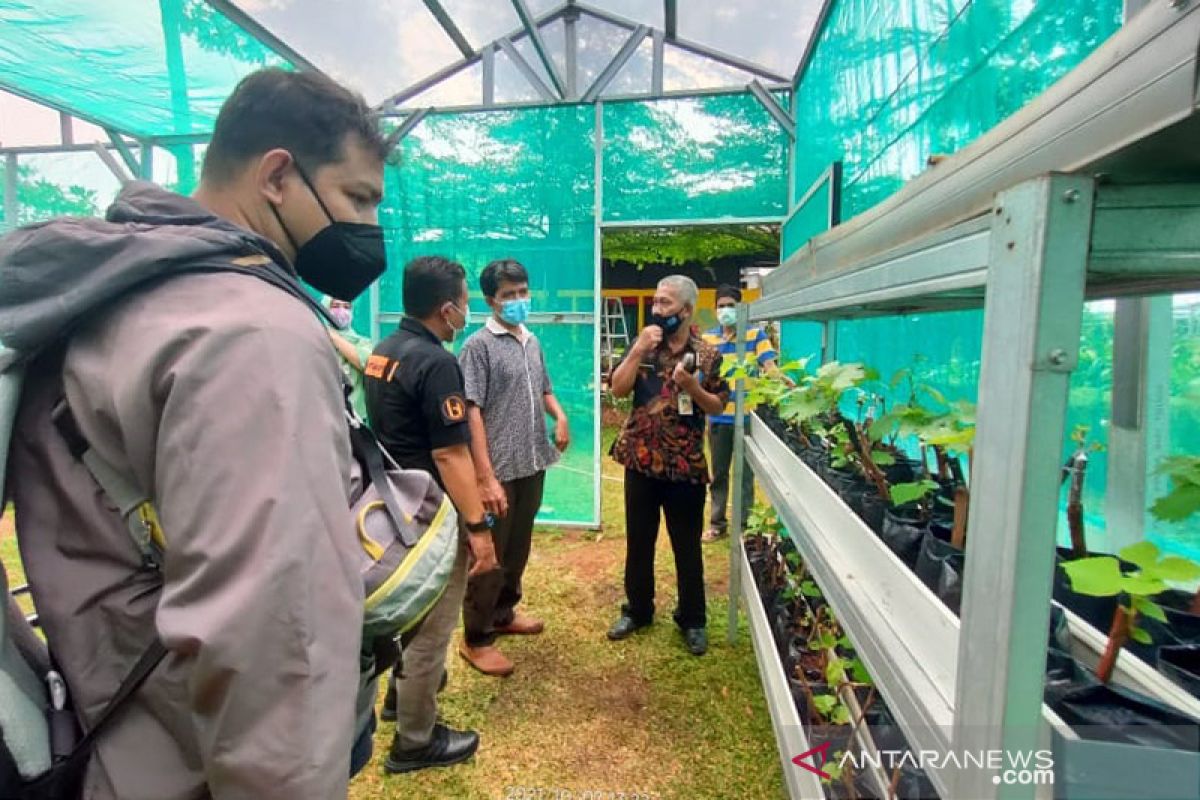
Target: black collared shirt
415,397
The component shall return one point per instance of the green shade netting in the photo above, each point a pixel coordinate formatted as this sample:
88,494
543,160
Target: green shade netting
476,187
144,67
693,158
890,84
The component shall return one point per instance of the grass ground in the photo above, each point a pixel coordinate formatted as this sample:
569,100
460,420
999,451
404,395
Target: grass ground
585,717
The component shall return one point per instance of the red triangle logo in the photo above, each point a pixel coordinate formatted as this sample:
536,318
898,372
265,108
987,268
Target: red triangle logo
815,767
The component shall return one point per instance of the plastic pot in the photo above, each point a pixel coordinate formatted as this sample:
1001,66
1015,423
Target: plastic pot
1181,663
940,566
902,530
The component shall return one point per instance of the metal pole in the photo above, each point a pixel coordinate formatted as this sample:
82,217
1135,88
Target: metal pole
532,28
571,47
739,467
146,165
1040,234
12,207
1137,438
489,75
829,341
597,285
656,74
525,69
66,130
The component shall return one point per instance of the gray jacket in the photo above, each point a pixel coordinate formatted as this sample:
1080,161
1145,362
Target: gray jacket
198,368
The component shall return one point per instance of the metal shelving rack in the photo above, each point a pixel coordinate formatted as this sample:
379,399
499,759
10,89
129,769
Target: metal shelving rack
1093,190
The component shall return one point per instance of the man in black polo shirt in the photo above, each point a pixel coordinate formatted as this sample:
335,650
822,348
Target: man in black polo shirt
418,409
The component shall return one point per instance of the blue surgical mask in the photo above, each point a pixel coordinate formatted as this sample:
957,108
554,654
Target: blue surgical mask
514,312
727,316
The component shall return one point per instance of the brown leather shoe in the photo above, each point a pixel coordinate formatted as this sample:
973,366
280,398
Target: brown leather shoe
521,625
486,659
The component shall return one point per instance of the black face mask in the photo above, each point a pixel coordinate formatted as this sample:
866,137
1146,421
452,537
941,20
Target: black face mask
343,258
668,324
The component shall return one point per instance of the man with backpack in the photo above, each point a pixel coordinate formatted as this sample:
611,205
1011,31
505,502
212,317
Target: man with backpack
418,408
174,343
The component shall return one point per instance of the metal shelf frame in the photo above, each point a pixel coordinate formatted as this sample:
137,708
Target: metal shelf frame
789,731
997,226
907,638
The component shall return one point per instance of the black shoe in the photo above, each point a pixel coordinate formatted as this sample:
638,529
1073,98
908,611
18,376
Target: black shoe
696,640
388,714
625,626
446,747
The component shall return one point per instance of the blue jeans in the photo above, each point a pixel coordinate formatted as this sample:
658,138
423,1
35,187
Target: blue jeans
360,754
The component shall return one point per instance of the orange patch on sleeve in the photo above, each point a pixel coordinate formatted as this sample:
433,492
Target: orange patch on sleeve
376,366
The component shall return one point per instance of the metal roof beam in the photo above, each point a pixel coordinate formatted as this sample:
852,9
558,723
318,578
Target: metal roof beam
114,166
530,74
539,45
259,32
692,47
447,22
639,96
773,108
670,18
450,71
619,60
410,122
123,150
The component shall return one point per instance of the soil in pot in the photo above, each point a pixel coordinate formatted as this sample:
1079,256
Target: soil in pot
905,470
873,508
1111,713
902,531
1181,663
940,565
1181,626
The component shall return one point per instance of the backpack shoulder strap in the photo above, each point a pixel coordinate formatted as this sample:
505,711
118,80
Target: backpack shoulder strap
133,504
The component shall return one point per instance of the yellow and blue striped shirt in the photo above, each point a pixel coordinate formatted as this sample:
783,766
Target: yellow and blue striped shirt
757,343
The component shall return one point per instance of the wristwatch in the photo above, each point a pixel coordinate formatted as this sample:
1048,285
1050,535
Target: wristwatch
486,524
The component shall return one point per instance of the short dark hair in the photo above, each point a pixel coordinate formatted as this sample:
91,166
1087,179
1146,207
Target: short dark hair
306,113
727,290
430,281
502,269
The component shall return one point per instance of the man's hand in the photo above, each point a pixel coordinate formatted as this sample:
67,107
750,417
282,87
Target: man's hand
649,339
483,554
685,380
562,434
493,495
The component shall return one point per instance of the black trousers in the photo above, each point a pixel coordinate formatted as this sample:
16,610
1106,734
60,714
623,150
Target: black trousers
491,599
683,506
720,443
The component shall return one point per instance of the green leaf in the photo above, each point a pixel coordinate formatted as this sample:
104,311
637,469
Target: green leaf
824,703
1140,636
903,493
1148,608
899,377
1099,576
883,458
1175,568
810,589
835,672
1144,554
1180,503
1141,585
841,715
859,671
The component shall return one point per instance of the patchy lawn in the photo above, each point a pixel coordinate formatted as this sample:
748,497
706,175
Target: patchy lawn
582,713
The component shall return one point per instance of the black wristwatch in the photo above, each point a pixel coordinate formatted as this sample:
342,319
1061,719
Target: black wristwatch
486,524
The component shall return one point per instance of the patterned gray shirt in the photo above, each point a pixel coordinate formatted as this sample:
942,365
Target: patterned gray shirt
506,377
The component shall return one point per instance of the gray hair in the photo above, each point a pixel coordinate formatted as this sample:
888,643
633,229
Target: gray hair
684,288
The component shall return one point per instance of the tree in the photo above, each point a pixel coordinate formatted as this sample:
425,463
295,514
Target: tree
38,198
